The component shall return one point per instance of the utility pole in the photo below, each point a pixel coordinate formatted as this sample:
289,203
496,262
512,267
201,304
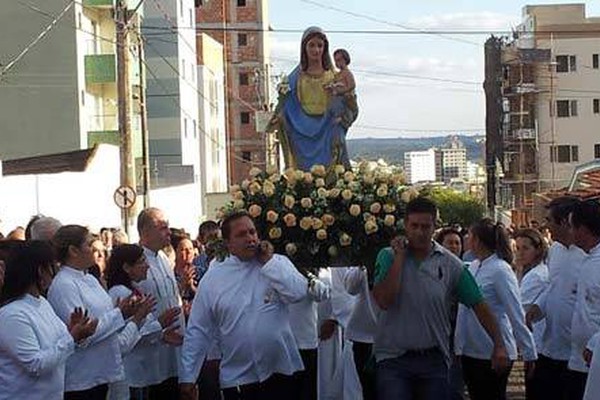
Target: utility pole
124,99
144,126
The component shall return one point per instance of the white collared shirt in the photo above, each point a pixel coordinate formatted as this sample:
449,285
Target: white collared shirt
586,317
500,290
247,305
558,300
98,361
363,321
303,315
34,347
160,361
533,285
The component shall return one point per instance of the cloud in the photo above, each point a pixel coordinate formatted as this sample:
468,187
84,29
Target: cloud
485,20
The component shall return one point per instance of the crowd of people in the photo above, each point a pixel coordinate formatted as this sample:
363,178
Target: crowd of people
445,312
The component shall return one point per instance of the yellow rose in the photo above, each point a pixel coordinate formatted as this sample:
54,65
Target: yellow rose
245,184
319,182
308,178
355,186
382,191
375,208
255,210
371,227
272,169
318,170
332,251
317,223
346,194
389,208
239,195
272,216
219,215
275,233
321,234
290,175
275,178
389,220
299,175
339,169
322,193
254,188
289,220
291,249
306,223
328,219
354,210
369,217
235,188
349,176
409,194
289,201
268,188
306,202
345,240
254,172
239,204
333,193
369,179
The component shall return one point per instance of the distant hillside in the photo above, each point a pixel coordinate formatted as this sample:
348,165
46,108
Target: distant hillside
392,150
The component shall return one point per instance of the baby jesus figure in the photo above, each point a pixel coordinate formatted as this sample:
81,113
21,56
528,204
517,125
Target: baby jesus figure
344,104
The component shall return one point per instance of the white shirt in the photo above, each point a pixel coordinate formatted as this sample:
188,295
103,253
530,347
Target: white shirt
303,315
557,303
500,289
586,317
98,361
160,361
533,285
340,305
34,347
363,321
247,305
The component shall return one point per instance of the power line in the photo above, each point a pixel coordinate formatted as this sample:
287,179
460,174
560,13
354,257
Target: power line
37,39
392,129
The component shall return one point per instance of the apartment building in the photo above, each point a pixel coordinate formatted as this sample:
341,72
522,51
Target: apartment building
422,166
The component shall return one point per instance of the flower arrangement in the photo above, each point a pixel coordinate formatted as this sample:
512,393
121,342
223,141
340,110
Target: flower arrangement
321,218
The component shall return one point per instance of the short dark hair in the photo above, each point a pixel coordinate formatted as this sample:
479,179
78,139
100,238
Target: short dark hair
344,53
23,268
230,219
449,231
561,207
121,255
67,236
30,225
422,205
207,227
587,214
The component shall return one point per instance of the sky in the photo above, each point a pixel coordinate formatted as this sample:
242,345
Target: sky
445,97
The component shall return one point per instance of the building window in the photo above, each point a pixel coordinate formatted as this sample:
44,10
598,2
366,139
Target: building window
566,63
564,154
246,156
192,17
181,7
195,128
82,98
596,106
566,108
597,151
183,69
185,128
242,39
244,79
595,61
245,117
198,3
241,3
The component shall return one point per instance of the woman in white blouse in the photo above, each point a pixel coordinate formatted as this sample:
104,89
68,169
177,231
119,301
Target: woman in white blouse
532,250
127,265
34,342
98,361
498,283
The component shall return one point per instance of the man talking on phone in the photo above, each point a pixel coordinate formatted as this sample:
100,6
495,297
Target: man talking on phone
243,300
417,282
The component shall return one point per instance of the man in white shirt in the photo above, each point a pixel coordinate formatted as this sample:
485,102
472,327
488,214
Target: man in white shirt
244,300
585,228
161,359
557,303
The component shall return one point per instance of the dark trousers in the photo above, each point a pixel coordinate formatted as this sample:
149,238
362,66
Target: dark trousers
362,355
276,387
96,393
305,382
549,381
482,381
576,384
208,383
168,389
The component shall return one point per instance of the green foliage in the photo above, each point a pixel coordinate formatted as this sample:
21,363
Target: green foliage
456,207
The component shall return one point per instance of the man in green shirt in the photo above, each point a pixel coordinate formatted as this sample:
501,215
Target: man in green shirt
417,282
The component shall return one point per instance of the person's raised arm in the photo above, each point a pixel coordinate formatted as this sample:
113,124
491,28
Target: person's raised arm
388,271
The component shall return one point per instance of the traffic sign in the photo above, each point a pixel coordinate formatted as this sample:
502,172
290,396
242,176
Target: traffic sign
124,197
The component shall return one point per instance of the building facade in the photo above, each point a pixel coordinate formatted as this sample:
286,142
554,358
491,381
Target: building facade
422,166
68,82
241,27
453,161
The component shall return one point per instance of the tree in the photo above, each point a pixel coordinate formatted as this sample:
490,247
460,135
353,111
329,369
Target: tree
456,207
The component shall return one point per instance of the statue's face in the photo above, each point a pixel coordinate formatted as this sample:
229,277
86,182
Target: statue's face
315,48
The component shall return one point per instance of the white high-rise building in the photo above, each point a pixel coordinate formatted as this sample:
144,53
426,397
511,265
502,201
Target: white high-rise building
421,166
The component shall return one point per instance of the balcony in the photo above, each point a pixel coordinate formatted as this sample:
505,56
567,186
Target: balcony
100,68
99,3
